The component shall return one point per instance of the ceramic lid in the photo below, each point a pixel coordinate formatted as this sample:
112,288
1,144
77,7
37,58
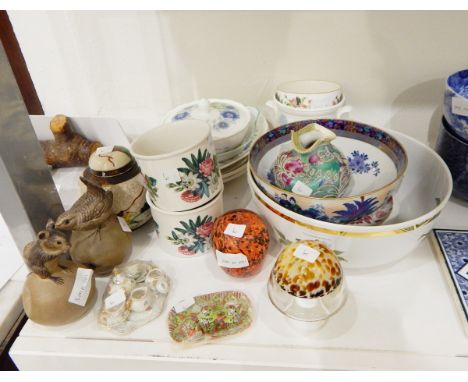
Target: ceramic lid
308,269
225,117
104,160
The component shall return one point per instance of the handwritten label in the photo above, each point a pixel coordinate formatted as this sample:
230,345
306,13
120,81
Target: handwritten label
231,260
123,224
464,272
82,286
301,188
104,150
306,253
184,304
460,106
236,230
171,176
115,299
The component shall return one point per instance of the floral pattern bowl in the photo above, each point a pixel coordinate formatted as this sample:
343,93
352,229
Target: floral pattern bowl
179,164
309,94
377,162
424,192
186,233
456,103
229,120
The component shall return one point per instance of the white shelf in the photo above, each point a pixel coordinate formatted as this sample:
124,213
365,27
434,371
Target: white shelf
401,317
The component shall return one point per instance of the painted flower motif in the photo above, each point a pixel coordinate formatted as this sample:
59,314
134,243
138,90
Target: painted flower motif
230,114
359,164
286,179
205,229
357,209
200,177
314,159
295,166
207,166
221,125
190,181
192,237
189,197
151,184
184,250
180,116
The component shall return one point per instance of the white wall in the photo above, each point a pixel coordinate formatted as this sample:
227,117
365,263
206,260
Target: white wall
139,64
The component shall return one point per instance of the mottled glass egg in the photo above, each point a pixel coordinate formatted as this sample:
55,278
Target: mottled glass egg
240,239
306,282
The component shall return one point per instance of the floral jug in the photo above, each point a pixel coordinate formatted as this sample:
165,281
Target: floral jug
314,167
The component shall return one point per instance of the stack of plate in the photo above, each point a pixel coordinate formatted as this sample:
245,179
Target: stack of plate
233,163
234,128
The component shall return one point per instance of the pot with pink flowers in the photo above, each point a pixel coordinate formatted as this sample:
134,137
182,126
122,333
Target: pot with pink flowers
314,166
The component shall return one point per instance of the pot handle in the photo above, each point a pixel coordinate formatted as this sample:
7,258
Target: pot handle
309,137
344,110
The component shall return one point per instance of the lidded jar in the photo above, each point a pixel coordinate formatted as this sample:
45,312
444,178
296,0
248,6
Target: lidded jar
115,169
306,282
240,238
314,166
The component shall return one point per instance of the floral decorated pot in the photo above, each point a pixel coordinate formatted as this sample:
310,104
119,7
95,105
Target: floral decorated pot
309,94
229,120
456,103
281,114
179,164
314,166
186,233
377,162
116,170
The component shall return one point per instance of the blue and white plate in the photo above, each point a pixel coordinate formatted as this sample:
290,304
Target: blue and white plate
452,247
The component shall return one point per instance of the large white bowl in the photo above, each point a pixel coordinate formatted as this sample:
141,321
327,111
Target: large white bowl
423,194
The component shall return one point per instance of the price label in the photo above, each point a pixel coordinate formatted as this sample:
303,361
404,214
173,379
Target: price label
231,260
306,253
464,272
115,299
236,230
301,188
460,106
123,224
171,176
82,286
184,304
104,150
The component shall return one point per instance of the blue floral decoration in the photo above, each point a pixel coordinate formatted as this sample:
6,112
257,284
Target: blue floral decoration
356,210
359,164
455,247
230,114
314,212
181,116
221,125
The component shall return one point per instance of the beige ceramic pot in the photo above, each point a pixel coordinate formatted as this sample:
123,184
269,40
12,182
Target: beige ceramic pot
46,302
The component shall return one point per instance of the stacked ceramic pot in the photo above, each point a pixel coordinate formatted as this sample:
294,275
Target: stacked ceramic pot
452,143
184,185
234,128
306,99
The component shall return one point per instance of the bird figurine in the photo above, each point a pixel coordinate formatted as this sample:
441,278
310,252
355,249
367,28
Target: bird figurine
90,211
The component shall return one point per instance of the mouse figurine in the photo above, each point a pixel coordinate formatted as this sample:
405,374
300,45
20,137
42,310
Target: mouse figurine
43,256
97,239
47,289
